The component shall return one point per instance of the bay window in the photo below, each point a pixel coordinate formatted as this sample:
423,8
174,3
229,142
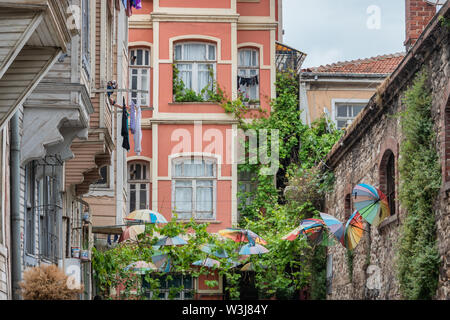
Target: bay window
140,76
248,75
196,63
194,188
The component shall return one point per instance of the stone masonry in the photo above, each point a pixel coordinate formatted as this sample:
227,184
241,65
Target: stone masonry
358,158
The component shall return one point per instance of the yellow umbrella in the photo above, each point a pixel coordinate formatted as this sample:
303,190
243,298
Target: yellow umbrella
353,231
146,216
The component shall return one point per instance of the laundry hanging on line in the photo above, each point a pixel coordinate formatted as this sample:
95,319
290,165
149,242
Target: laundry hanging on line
248,81
124,130
129,4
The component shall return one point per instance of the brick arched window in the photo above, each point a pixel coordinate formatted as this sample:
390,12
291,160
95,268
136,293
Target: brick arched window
388,178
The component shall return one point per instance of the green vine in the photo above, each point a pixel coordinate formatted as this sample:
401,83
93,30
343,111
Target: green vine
420,172
210,93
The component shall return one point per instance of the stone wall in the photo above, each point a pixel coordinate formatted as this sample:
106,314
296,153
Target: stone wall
374,267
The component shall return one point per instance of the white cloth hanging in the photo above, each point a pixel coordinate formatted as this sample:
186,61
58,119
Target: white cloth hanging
138,131
132,117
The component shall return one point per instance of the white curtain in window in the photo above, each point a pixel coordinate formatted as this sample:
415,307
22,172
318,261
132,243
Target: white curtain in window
185,74
204,76
205,196
183,196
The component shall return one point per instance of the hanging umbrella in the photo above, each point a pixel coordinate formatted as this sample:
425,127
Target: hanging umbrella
208,262
309,228
371,203
211,249
249,249
146,216
161,261
132,232
141,267
251,267
242,235
171,241
334,225
353,231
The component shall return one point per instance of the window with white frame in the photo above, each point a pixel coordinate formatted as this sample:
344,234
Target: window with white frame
31,208
346,113
86,37
248,74
196,63
194,188
138,186
140,76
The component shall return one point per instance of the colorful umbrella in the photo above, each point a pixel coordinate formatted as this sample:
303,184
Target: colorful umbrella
334,225
251,267
161,261
249,249
242,235
146,216
211,249
208,262
171,241
309,228
353,231
141,267
132,232
371,203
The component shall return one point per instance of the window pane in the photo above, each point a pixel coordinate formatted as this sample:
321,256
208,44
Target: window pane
357,110
187,282
194,52
211,53
204,199
342,111
147,58
139,57
132,200
185,74
178,52
204,76
143,197
144,172
342,124
132,54
183,199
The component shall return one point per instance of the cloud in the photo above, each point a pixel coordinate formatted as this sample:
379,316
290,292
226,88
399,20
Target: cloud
330,31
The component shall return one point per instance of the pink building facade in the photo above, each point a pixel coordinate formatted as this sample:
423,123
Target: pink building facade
188,160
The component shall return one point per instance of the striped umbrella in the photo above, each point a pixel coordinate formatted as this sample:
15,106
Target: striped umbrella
371,203
146,216
334,225
208,262
171,241
353,231
242,235
249,249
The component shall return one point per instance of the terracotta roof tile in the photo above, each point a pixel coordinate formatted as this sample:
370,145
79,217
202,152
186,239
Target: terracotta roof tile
383,64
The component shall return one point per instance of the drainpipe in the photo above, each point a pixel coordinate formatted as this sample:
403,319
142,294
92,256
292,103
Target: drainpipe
16,256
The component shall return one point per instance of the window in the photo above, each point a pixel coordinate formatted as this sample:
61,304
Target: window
348,206
48,233
345,113
246,185
387,179
138,186
248,74
390,185
30,210
140,76
196,63
170,287
86,38
104,180
194,184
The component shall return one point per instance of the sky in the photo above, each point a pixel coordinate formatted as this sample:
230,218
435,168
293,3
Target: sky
340,30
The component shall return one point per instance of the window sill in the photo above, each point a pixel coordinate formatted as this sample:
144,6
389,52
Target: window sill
388,221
